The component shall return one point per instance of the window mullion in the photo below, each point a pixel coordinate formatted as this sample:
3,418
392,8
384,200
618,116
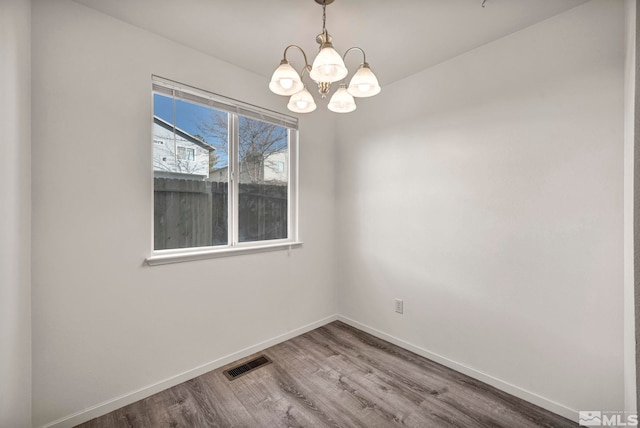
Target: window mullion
292,199
234,179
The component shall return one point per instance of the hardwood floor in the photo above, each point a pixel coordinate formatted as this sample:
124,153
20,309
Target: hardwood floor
334,376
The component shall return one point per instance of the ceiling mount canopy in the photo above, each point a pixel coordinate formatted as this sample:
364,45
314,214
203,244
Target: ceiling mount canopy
327,68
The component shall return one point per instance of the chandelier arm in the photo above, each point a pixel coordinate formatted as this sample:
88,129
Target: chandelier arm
364,56
306,68
306,61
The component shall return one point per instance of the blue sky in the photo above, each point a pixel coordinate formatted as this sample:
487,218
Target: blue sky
187,115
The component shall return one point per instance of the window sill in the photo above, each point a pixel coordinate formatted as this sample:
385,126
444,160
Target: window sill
163,259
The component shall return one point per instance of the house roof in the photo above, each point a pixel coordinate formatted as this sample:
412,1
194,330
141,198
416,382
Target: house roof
182,133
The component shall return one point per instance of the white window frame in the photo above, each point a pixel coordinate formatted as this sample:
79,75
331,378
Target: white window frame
235,109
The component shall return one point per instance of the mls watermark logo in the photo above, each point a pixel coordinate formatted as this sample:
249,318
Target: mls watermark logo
590,418
598,418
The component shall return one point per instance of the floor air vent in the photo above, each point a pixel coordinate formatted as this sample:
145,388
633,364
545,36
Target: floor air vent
249,366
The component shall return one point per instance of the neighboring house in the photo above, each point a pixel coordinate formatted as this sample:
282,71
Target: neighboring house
220,175
273,170
178,154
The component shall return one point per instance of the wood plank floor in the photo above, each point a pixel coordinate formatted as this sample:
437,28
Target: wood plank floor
334,376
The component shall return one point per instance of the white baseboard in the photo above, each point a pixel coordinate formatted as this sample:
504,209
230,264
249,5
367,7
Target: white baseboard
531,397
147,391
132,397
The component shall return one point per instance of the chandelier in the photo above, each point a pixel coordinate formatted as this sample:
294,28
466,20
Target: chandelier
328,67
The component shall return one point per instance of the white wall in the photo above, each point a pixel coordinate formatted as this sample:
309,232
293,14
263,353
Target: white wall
487,192
15,210
105,324
629,124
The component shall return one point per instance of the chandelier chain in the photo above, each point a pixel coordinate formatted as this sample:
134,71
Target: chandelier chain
324,18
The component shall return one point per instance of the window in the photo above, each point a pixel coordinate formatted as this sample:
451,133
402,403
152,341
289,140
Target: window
225,179
186,154
279,166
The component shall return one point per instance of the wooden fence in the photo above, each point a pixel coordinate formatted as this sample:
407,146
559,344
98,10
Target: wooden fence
190,213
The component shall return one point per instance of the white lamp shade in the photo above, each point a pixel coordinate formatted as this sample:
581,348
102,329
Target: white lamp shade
328,66
364,83
285,80
302,102
342,101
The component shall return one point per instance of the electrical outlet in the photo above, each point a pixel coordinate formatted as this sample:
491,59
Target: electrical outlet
399,306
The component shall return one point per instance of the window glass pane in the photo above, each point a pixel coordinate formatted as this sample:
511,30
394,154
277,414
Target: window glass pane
190,165
263,157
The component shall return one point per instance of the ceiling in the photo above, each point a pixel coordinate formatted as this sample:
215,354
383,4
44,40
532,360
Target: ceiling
400,37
